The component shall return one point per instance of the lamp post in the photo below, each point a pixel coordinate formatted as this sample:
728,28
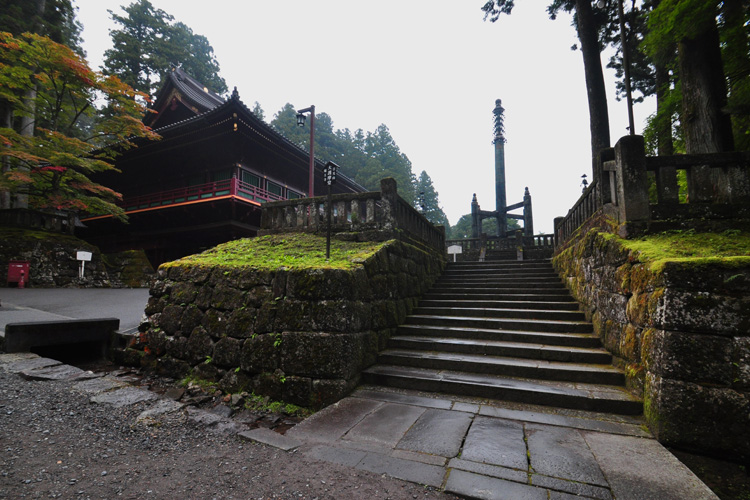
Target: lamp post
584,182
301,122
422,204
329,175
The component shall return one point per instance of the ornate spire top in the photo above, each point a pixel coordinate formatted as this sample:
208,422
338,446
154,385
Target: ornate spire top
499,127
235,94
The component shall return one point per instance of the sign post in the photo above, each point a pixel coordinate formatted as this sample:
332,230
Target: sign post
82,257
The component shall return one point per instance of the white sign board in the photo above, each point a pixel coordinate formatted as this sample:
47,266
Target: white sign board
86,256
455,249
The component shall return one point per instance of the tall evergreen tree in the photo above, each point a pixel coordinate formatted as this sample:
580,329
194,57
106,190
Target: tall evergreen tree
426,194
147,44
588,27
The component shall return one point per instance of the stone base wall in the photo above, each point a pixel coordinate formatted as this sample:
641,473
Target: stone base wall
301,336
53,264
681,332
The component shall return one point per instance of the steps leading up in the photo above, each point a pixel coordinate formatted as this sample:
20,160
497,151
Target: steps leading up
504,330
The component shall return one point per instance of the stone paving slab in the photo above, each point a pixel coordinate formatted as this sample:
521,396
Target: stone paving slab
470,485
271,438
497,442
395,397
386,425
642,469
416,472
562,452
29,364
518,476
334,421
161,407
99,385
566,421
58,372
124,397
437,432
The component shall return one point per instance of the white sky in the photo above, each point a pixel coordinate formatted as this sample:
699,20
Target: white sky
428,69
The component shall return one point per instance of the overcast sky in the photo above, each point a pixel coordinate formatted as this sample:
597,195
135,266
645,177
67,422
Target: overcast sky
428,69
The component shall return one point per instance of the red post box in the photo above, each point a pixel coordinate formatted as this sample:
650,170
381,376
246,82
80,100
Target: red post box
18,272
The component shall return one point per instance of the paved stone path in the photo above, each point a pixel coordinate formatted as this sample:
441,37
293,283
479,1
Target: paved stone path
470,449
481,451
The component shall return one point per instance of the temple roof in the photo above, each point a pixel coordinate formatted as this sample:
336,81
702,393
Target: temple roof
182,92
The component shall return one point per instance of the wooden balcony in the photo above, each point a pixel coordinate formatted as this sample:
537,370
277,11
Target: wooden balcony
199,193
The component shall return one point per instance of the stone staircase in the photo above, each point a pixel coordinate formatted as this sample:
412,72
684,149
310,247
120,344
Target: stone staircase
504,330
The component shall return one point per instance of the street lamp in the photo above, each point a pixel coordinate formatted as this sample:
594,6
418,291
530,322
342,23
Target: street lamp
301,122
422,204
329,176
584,182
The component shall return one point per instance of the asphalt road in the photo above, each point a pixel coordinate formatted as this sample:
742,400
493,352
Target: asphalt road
50,304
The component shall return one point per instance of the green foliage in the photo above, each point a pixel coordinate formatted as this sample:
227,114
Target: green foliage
365,157
462,229
432,210
147,44
291,251
56,20
264,404
75,111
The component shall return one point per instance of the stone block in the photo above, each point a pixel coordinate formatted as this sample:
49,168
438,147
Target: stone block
259,354
297,390
612,305
322,355
227,298
241,322
192,316
203,299
266,319
157,341
207,371
183,293
155,305
741,363
199,345
328,391
177,347
234,382
169,320
215,323
703,312
227,352
700,359
706,419
268,384
168,366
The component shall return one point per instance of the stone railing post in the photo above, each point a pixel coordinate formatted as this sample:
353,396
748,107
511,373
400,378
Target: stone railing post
389,197
632,184
528,218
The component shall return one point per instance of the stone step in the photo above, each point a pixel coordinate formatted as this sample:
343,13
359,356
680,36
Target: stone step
500,304
498,281
588,340
510,287
578,396
505,366
508,263
501,323
501,348
522,272
490,294
510,313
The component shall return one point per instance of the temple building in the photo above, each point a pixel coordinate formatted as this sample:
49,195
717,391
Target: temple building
205,181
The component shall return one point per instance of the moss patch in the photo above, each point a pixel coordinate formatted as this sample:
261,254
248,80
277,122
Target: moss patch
731,247
290,251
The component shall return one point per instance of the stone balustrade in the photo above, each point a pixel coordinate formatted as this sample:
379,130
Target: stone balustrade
372,216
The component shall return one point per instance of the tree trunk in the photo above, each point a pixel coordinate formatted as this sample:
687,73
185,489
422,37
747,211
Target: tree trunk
592,65
664,143
6,121
707,128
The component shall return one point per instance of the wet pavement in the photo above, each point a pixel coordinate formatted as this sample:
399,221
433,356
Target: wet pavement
480,450
53,304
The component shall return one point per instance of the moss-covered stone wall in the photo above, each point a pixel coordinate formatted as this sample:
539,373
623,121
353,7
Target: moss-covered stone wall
301,336
680,329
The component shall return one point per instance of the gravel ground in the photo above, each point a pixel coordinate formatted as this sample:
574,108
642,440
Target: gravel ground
55,443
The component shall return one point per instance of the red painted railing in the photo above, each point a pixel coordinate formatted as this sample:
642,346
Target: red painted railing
228,187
